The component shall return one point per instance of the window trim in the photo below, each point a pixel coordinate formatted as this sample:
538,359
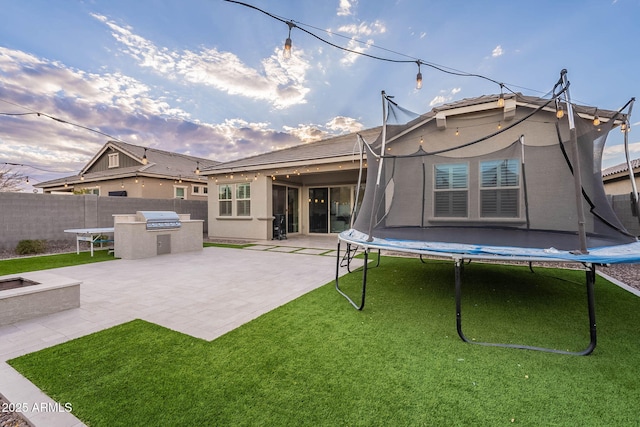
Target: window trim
500,187
225,200
451,190
203,187
175,191
232,199
244,200
113,160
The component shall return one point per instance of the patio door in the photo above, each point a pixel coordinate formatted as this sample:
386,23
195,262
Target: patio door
330,209
286,201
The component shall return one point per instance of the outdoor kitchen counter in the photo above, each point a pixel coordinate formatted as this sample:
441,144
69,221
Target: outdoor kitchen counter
133,239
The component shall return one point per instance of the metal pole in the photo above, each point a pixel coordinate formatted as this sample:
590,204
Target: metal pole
577,177
629,166
380,161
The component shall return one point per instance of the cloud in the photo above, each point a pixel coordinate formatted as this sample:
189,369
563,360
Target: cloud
114,104
617,152
282,86
344,8
342,124
358,31
497,51
445,96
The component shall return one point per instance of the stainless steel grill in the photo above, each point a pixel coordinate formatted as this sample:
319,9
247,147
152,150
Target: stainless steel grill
159,220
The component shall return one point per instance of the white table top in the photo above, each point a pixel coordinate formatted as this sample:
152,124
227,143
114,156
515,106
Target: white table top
90,230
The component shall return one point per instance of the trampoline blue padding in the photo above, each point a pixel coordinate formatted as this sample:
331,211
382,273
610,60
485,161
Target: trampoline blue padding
619,254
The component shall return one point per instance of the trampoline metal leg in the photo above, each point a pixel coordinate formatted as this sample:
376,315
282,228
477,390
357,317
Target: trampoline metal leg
590,279
364,279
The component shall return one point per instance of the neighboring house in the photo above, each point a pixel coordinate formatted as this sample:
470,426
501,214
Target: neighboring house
616,178
121,169
313,186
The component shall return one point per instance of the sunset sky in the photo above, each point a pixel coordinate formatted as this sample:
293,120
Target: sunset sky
207,77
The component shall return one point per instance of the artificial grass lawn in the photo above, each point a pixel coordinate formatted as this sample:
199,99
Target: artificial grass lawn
45,262
317,361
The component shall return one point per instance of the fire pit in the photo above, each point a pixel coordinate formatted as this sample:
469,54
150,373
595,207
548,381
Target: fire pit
36,294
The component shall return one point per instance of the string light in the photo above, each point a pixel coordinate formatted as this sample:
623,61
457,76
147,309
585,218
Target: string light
501,98
457,132
418,77
559,109
286,53
287,48
144,157
197,168
596,119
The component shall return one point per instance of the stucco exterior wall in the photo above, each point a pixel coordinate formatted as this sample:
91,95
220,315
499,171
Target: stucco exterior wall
145,187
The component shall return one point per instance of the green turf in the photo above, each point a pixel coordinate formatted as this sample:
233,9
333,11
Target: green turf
317,361
45,262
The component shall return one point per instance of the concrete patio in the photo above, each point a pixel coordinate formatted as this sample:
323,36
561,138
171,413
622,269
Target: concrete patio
203,294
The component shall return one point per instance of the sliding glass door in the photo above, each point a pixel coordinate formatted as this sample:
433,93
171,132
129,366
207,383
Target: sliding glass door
286,201
330,209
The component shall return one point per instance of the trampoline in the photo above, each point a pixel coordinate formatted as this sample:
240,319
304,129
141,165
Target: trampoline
524,184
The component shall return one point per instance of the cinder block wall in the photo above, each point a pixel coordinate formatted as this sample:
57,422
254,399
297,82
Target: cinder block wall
46,216
622,207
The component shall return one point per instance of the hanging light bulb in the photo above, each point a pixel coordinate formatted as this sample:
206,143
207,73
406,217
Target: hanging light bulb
499,125
82,177
596,119
144,157
559,110
624,127
197,168
27,180
418,77
286,53
501,97
457,132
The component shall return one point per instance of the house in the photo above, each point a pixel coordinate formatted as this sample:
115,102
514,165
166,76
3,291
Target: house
313,188
121,169
616,178
310,187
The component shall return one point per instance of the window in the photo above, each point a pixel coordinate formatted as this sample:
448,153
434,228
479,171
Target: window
243,198
114,160
180,192
451,190
224,199
199,190
500,188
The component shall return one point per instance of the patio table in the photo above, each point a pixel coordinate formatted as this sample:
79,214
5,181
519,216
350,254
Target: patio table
91,235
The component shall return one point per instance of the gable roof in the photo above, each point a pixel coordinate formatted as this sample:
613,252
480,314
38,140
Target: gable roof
160,164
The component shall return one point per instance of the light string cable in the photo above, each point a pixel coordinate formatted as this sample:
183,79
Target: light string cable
419,62
39,113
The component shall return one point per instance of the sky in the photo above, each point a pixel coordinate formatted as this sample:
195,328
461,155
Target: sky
207,77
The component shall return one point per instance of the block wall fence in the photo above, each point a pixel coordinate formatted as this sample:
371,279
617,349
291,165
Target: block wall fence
45,216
